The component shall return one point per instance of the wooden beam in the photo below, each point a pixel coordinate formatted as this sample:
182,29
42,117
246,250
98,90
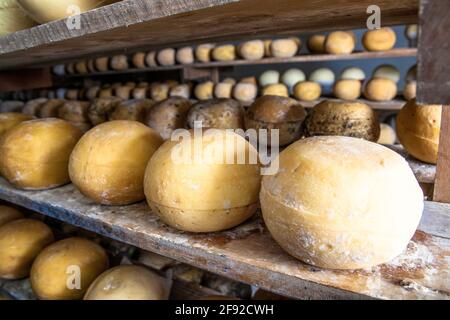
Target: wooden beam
442,183
434,53
25,79
144,24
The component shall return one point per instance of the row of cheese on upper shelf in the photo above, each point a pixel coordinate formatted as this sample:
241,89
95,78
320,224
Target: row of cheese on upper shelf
337,42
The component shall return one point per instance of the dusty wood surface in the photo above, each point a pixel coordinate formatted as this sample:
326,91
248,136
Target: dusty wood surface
248,254
147,24
442,184
424,172
434,53
399,52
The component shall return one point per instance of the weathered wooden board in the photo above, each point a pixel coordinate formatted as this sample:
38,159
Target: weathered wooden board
146,24
394,53
25,79
442,186
248,253
434,53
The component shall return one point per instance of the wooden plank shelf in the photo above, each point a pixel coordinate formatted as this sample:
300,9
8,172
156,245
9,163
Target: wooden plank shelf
394,53
392,105
143,24
247,253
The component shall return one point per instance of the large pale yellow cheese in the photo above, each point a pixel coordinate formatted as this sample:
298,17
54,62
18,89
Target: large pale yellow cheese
108,163
66,269
341,202
201,183
8,214
35,154
48,10
418,129
20,243
9,120
12,18
128,282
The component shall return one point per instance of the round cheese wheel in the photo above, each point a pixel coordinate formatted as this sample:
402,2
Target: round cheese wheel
217,113
20,243
138,60
159,91
66,269
185,55
347,89
418,129
269,77
387,134
92,92
108,163
81,67
279,113
76,112
100,109
252,50
40,10
388,72
35,153
316,43
135,110
128,282
141,92
150,59
119,62
50,109
307,91
191,186
204,91
284,48
8,214
223,90
412,31
226,52
203,52
323,76
291,77
9,120
341,202
340,42
168,115
181,90
123,92
336,118
166,57
353,73
278,89
380,89
33,107
102,64
245,92
379,39
410,90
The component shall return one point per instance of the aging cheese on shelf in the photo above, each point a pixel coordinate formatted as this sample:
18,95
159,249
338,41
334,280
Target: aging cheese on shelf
340,42
66,269
20,243
245,92
275,112
35,153
225,52
341,202
316,43
9,120
307,91
168,115
217,113
379,39
278,89
347,89
8,214
166,57
418,129
108,163
204,91
12,18
284,48
185,55
135,110
194,189
380,89
203,52
128,282
387,134
252,50
353,119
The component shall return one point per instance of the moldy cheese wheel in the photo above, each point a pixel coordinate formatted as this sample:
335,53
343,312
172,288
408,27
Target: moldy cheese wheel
341,202
193,189
108,163
217,113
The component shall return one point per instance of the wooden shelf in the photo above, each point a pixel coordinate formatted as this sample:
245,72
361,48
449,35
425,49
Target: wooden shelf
248,253
141,24
392,105
394,53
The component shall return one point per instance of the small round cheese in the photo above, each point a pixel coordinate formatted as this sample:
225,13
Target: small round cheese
379,39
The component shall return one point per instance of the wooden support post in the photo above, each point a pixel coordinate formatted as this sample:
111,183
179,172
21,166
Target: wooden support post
192,73
434,81
25,79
